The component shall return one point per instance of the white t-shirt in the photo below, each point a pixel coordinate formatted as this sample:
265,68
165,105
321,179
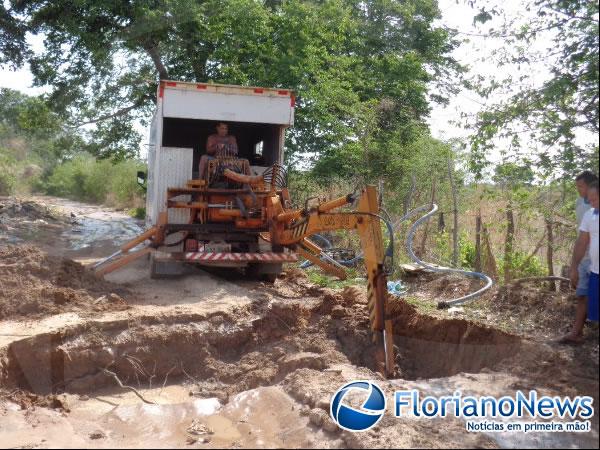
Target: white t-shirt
589,224
581,207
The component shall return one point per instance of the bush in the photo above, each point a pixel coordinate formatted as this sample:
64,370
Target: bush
7,181
99,181
7,175
317,276
522,266
18,176
466,250
138,213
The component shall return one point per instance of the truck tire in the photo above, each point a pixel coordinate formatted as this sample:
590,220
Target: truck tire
269,277
264,272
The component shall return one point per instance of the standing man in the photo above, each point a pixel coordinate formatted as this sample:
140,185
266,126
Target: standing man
582,182
584,265
218,144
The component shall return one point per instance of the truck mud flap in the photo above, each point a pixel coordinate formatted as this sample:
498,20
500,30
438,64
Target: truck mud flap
166,267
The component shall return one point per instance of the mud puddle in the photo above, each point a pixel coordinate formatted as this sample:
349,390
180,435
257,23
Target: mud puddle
261,417
66,227
96,231
258,418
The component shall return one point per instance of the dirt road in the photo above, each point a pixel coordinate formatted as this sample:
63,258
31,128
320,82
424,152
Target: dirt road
225,362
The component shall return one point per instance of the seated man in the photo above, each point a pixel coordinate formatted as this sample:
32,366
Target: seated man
218,145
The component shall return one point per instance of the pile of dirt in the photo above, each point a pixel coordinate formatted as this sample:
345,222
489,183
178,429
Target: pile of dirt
29,401
534,309
450,286
14,212
34,284
436,287
293,275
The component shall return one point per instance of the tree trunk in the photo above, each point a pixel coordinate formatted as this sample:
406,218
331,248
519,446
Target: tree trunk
509,243
478,242
152,50
536,249
409,196
455,212
426,229
489,262
550,252
441,223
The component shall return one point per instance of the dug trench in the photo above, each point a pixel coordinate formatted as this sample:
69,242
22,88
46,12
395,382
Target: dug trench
259,345
293,344
256,363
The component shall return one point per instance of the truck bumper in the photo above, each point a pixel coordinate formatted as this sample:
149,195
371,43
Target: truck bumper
208,257
224,259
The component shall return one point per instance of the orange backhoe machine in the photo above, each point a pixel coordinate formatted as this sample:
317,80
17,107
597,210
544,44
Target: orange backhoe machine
238,215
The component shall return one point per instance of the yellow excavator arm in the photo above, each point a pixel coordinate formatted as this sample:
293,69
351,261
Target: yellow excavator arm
292,228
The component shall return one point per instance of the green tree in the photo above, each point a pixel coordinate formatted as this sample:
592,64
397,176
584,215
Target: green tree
548,114
13,48
103,59
30,130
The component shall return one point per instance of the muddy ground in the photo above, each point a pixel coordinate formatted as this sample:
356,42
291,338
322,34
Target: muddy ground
212,361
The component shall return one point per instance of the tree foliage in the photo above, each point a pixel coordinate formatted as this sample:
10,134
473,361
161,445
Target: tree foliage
103,59
547,111
31,130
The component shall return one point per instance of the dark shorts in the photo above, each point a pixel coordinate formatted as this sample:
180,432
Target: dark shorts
584,276
593,297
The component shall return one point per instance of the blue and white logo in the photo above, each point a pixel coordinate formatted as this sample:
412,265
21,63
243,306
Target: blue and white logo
362,419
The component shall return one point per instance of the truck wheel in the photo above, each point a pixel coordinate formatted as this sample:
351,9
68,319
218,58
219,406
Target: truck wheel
269,277
263,272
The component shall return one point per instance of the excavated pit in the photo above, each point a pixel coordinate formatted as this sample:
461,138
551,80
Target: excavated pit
223,354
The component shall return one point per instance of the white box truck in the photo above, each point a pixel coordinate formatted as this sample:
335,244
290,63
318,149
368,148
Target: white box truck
186,115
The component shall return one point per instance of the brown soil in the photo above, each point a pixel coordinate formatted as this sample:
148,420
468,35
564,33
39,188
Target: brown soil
29,401
303,339
258,346
33,284
466,346
291,344
11,208
538,309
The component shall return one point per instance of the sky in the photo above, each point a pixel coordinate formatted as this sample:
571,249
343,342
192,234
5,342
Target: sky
476,53
455,14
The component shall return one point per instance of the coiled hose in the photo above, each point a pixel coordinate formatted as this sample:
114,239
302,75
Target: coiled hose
351,262
416,259
409,240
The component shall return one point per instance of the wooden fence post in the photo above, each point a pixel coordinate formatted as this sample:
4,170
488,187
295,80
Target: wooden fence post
455,212
426,229
509,243
550,252
478,242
